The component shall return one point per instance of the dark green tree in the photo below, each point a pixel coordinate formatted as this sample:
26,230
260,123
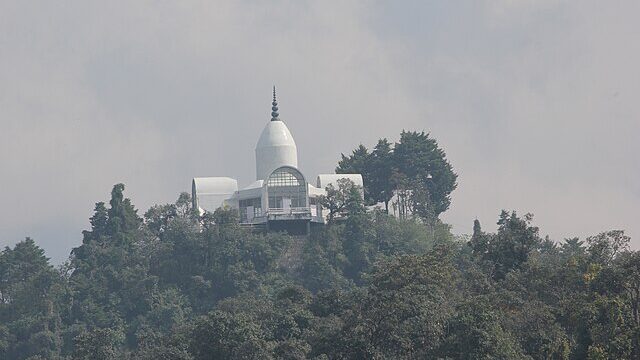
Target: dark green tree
98,344
404,311
380,173
30,290
183,286
109,277
424,163
343,200
415,166
510,247
477,332
222,335
359,162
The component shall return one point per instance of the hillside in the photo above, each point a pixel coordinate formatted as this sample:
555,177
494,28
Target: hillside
173,285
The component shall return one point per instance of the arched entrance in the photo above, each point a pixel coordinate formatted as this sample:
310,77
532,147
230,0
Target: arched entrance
286,190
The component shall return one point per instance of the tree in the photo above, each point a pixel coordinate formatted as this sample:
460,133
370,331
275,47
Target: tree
158,217
98,344
109,279
412,198
404,311
380,173
415,165
419,158
476,332
629,272
222,335
123,217
29,291
359,162
479,241
99,222
182,286
614,278
604,247
510,247
342,201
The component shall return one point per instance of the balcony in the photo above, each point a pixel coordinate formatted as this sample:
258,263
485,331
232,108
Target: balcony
294,213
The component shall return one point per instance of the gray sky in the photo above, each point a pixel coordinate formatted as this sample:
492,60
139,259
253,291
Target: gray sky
534,101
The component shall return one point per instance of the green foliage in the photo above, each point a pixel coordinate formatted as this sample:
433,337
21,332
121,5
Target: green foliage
415,167
222,335
404,310
343,201
418,158
510,247
359,162
30,324
98,344
476,331
177,285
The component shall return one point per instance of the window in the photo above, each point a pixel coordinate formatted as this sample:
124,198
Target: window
287,188
275,202
285,177
244,205
255,202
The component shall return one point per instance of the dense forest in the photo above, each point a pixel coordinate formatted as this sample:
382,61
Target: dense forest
174,284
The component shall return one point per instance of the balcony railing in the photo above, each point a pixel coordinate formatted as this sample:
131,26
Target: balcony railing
293,210
261,216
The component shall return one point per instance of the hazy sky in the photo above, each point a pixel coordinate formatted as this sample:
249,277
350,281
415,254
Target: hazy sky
535,102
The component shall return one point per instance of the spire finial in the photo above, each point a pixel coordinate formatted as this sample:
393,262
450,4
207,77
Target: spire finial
274,106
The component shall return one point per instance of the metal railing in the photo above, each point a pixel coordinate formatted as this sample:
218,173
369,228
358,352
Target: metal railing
293,210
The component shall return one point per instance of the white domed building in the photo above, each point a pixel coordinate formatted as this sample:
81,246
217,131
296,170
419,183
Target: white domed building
281,198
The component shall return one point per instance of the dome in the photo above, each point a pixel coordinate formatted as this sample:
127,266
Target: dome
276,133
276,147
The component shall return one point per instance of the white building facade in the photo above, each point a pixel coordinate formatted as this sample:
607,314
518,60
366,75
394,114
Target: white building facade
281,198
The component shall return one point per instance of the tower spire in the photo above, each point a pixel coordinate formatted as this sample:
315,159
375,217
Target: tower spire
274,107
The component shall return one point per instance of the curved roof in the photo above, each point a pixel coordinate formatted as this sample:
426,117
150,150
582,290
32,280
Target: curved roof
276,133
252,191
325,179
254,185
294,175
215,185
275,148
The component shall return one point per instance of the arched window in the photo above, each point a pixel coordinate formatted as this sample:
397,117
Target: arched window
287,189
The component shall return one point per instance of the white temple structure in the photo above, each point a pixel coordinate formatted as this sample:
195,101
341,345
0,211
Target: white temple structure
281,198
